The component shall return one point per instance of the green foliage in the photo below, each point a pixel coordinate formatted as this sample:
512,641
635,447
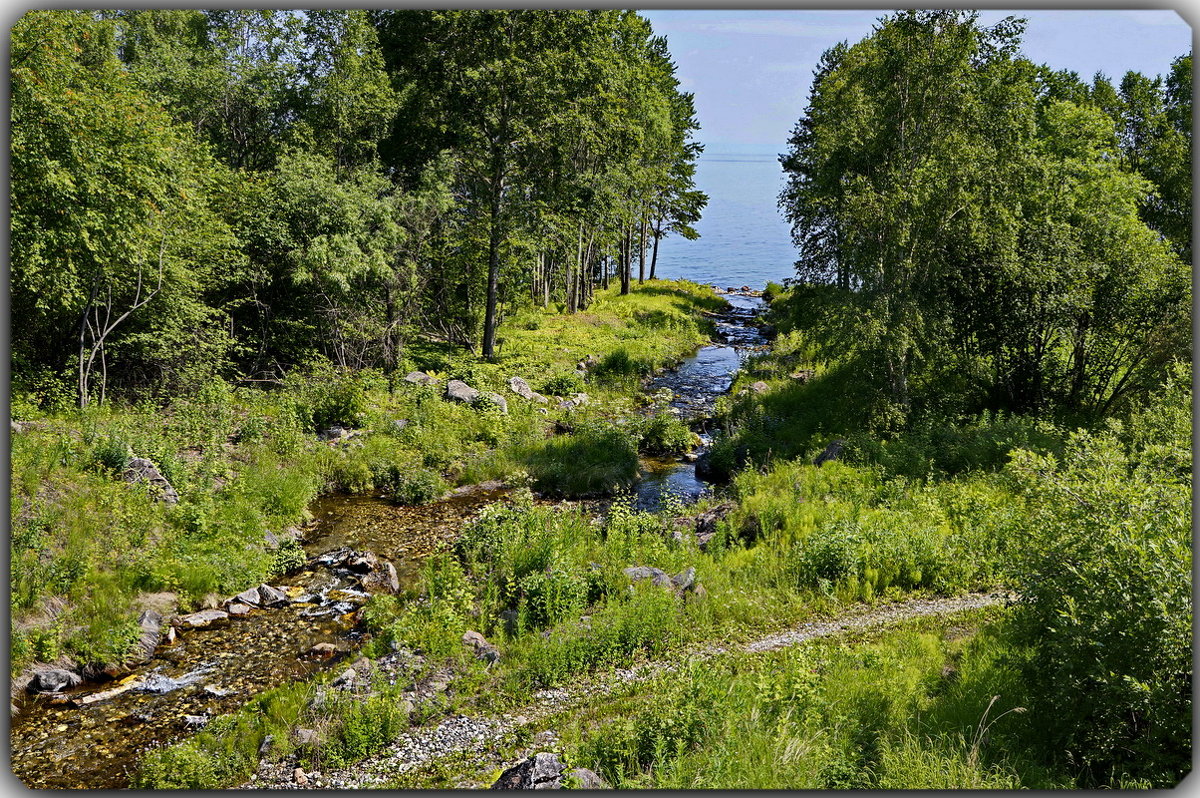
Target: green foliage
664,434
419,486
1105,581
563,384
619,364
593,461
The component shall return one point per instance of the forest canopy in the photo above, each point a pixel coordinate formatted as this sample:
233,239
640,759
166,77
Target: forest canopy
981,230
230,194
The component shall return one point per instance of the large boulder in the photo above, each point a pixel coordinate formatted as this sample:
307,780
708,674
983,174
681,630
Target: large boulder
53,680
538,772
142,470
459,391
657,576
494,398
585,779
420,378
269,596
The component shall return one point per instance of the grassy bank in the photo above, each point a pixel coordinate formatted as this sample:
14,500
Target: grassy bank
247,462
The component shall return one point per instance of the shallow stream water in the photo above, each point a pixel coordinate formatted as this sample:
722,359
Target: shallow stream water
64,742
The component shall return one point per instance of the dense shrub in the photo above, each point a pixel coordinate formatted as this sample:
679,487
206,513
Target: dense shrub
596,460
664,434
620,364
413,486
563,384
1105,584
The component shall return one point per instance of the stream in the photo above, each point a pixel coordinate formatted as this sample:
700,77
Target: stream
72,740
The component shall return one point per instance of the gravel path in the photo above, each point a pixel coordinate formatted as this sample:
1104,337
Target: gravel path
460,734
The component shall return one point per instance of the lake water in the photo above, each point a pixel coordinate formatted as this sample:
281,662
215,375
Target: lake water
743,238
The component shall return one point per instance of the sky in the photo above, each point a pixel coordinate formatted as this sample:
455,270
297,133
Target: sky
751,70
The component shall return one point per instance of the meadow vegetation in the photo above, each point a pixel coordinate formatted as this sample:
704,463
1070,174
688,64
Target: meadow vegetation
247,461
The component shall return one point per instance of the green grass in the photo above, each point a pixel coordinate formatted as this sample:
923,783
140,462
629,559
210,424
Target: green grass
246,461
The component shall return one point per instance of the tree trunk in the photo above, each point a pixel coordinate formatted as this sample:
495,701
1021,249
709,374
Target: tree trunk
642,252
654,254
626,260
489,317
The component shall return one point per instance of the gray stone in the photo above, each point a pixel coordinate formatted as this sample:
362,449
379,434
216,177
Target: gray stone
685,580
333,434
521,388
657,576
399,424
382,579
150,632
271,596
483,649
586,779
249,596
499,401
203,619
706,523
346,679
142,470
237,609
420,378
760,387
53,680
832,452
459,391
538,772
305,737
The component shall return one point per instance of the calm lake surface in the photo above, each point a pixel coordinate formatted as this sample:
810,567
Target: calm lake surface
743,238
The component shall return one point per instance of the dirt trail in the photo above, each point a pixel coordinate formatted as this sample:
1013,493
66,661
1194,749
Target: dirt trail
473,735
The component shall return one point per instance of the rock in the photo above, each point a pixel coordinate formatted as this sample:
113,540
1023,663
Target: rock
657,576
216,692
580,399
203,619
586,779
399,424
767,330
699,591
420,378
300,777
346,679
690,457
195,721
322,650
706,523
498,400
382,580
266,745
832,452
802,376
563,428
150,625
15,427
333,434
142,470
172,636
685,580
249,596
538,772
305,737
238,609
521,388
760,387
271,596
483,649
271,541
53,680
459,391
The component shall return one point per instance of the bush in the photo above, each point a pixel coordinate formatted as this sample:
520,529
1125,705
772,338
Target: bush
563,384
619,364
415,486
1105,585
594,461
664,434
112,454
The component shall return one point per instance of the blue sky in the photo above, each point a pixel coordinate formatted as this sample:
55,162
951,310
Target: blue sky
751,70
